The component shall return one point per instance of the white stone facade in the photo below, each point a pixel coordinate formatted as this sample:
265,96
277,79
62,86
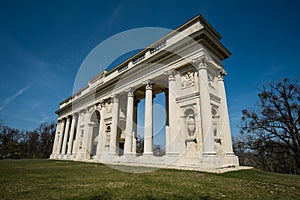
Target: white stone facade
98,123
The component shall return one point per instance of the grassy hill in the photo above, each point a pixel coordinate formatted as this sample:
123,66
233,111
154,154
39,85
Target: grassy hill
49,179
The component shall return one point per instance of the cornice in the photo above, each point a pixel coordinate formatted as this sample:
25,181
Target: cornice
206,35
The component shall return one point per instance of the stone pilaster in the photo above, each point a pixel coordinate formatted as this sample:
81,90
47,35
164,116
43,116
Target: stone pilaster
129,123
148,127
114,124
85,153
205,106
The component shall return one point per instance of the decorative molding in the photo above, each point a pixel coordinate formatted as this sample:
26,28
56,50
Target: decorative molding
189,96
201,62
171,74
148,84
222,74
130,92
114,98
215,98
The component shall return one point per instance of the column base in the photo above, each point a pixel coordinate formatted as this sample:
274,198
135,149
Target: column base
148,154
209,154
172,153
229,154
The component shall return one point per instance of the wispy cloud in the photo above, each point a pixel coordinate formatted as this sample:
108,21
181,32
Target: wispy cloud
114,15
14,96
273,71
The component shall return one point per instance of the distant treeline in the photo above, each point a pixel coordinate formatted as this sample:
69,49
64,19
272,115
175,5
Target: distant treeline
17,144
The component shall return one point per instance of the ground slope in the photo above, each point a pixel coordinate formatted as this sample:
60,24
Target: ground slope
49,179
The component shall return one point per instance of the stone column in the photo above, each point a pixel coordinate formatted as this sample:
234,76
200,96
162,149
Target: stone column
66,133
55,143
205,107
148,127
171,135
114,124
76,147
61,135
129,123
101,130
71,138
225,124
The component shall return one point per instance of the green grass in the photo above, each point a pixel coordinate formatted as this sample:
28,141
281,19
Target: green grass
49,179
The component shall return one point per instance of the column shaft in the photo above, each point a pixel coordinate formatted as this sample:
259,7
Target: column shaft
148,127
55,143
77,140
129,123
71,138
66,134
225,126
167,123
172,135
61,135
114,125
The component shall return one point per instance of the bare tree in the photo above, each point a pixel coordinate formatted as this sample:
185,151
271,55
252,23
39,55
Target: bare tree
273,124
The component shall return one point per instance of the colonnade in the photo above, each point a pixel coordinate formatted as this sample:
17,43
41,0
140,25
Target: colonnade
64,141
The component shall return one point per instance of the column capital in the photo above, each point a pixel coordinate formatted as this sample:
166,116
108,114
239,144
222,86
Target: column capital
114,98
75,115
171,74
148,84
222,74
130,92
200,62
102,104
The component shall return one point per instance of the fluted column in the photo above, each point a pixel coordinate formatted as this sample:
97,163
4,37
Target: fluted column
101,129
66,134
171,134
61,135
71,138
114,125
205,107
225,124
148,132
129,123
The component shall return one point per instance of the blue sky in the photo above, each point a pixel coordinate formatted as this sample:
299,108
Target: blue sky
43,43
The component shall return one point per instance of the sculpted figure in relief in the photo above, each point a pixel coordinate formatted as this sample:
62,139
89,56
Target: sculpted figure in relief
187,80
